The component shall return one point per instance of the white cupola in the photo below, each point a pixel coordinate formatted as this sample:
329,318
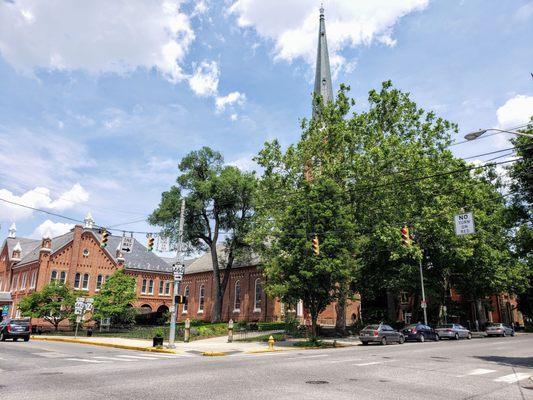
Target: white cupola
12,231
89,221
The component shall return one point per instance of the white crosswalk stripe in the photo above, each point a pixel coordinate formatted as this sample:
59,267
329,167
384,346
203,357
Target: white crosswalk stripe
139,357
114,359
86,360
481,371
512,378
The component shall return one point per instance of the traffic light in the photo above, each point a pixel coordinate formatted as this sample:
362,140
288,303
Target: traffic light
406,241
150,244
103,237
180,299
316,246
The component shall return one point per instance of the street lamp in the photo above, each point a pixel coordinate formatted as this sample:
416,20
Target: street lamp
474,135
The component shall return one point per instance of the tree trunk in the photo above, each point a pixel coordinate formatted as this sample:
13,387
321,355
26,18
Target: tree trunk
340,311
217,306
314,333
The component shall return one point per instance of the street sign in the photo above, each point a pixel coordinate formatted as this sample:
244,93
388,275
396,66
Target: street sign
178,270
80,299
78,319
5,310
464,224
127,244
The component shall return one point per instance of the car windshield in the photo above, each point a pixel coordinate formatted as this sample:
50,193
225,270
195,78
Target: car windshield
494,325
411,326
445,326
371,327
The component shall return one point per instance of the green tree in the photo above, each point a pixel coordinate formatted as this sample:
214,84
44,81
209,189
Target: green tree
115,298
54,303
219,201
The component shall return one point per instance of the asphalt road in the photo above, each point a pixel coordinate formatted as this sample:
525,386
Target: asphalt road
496,368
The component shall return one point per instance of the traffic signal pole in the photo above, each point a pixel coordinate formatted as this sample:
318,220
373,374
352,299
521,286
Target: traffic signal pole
179,259
424,304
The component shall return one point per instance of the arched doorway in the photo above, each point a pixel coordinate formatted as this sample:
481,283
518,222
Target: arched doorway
162,315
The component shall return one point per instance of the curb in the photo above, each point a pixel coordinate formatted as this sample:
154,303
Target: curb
213,353
264,351
102,344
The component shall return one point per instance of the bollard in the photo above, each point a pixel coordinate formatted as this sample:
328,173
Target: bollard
230,331
187,333
271,342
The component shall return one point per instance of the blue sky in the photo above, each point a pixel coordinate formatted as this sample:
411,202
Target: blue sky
99,100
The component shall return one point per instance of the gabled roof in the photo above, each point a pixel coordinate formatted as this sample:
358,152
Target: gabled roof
57,243
26,244
204,264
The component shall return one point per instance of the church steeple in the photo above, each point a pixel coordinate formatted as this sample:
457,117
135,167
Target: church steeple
323,85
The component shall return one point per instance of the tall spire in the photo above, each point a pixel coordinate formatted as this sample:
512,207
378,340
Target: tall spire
323,85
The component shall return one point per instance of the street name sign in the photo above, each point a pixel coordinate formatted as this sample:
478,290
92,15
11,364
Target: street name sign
178,270
464,224
127,244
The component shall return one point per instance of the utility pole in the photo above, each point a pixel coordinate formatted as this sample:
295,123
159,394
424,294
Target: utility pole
424,304
179,260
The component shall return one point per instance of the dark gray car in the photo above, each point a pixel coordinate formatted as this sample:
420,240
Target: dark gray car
381,333
453,331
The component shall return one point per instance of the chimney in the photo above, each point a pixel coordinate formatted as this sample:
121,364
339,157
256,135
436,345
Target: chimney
12,231
46,243
89,221
17,250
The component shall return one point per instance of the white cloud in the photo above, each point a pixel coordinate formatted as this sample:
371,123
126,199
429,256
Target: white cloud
245,162
204,81
54,228
233,98
201,7
39,198
97,36
515,112
293,24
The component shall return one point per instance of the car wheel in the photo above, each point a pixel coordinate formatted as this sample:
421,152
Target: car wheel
512,333
15,339
2,337
26,338
469,336
401,340
421,338
383,340
437,338
456,337
364,343
504,334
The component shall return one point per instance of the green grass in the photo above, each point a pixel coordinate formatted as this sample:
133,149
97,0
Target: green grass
278,337
312,343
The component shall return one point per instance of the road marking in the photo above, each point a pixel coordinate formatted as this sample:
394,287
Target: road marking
370,363
85,360
305,357
481,371
114,359
350,360
512,378
50,354
139,357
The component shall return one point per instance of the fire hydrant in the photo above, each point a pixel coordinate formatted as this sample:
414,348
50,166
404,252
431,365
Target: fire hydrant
230,331
187,333
271,342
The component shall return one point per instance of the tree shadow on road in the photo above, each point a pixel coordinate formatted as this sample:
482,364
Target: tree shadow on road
509,361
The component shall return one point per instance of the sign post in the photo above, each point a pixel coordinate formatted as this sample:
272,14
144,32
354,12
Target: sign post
464,224
82,305
178,269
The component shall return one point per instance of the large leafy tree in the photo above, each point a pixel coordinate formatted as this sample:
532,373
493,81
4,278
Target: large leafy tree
219,205
54,303
115,298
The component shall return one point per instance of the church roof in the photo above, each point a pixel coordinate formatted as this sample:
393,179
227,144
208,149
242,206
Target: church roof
27,245
204,264
323,85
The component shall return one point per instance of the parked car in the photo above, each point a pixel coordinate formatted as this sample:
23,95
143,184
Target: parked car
15,329
420,332
453,331
381,333
499,330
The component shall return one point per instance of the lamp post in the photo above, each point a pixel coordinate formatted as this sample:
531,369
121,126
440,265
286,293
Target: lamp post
474,135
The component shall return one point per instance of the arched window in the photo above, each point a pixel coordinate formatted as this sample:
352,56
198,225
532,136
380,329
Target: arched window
63,277
186,292
161,286
151,286
99,280
237,300
143,287
77,279
201,298
53,276
258,295
85,281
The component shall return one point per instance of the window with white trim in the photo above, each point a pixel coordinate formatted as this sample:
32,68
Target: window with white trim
33,280
201,299
53,276
151,286
23,281
161,287
63,277
77,280
258,294
167,288
185,307
99,280
143,287
14,283
85,281
237,299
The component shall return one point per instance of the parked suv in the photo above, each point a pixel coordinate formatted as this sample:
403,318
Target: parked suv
499,330
453,331
381,333
15,329
420,332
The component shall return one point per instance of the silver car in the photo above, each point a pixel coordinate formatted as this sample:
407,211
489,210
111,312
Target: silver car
453,331
381,333
499,330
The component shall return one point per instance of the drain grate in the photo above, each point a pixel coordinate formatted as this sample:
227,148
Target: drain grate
317,382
